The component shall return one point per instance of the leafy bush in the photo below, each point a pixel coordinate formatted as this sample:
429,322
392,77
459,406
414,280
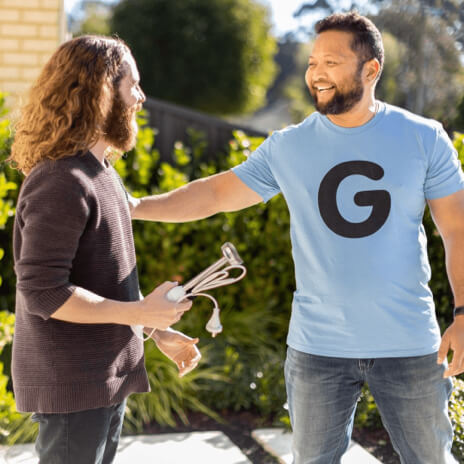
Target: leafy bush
248,355
9,187
170,395
14,426
456,411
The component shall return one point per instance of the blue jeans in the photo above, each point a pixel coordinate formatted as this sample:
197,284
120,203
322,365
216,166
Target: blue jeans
84,437
411,395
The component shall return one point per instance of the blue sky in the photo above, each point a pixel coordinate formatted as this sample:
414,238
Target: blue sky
281,10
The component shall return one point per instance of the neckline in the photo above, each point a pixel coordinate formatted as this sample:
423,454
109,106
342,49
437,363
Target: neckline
378,115
88,155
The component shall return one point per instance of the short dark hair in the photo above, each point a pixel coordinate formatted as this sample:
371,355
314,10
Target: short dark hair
367,41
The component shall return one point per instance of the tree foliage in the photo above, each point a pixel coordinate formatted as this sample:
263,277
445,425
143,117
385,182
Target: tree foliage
212,55
451,12
295,88
90,17
428,74
459,121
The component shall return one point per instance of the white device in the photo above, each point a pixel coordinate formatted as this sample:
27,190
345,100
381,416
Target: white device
211,277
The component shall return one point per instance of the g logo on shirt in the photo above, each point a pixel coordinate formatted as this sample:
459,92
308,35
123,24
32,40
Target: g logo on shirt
380,200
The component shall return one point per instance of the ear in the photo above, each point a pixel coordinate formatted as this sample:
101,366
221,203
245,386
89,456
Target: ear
371,70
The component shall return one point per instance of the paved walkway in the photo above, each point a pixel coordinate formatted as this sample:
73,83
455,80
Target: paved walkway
278,443
194,448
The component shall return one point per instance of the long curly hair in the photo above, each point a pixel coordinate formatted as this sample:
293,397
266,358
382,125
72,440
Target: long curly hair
69,102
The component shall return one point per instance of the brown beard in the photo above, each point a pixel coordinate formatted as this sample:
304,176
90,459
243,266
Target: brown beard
118,129
342,101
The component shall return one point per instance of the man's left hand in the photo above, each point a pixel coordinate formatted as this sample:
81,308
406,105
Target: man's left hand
179,348
453,339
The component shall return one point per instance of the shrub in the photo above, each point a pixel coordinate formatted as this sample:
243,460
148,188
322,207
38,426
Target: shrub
456,411
14,426
248,355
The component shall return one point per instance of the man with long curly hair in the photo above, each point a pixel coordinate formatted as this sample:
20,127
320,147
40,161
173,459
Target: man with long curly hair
75,357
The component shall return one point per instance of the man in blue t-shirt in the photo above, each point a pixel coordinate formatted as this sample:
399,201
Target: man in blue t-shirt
356,175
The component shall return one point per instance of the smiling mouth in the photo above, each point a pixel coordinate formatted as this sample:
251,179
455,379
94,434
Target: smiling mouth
323,89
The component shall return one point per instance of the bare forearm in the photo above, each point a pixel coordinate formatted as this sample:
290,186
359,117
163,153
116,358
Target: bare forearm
223,192
190,202
454,265
85,307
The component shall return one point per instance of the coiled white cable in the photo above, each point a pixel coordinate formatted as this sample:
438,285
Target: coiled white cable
213,280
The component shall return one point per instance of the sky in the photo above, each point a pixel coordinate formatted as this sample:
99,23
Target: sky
281,11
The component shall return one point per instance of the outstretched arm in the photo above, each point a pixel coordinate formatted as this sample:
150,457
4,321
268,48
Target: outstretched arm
448,215
199,199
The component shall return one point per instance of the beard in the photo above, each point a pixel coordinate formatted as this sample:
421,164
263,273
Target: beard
343,99
120,127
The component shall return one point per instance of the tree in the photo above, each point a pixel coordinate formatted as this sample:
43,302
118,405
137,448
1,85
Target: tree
451,12
294,86
428,75
389,87
213,55
90,17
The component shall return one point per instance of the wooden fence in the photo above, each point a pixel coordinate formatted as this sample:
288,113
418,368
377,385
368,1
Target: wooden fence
172,121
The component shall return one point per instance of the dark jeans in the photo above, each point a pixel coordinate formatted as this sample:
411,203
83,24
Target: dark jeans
84,437
411,394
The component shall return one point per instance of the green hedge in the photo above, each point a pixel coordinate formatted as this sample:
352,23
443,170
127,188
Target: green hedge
248,355
242,368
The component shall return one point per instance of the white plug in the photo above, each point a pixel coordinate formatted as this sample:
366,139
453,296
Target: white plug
214,325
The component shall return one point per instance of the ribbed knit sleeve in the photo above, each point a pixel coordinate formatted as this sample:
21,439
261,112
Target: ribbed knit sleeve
51,216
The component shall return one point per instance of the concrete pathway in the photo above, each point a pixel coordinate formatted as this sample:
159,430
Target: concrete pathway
195,448
170,448
278,443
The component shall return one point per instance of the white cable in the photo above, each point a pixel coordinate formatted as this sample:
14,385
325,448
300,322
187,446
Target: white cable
214,280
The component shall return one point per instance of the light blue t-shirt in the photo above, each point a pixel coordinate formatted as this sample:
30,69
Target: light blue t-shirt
356,198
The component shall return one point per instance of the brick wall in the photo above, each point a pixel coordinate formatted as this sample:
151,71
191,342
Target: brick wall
30,31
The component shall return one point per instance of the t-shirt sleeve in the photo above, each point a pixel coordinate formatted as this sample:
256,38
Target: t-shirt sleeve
51,216
444,174
256,171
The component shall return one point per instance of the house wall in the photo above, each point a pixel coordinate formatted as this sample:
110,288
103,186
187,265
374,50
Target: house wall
30,31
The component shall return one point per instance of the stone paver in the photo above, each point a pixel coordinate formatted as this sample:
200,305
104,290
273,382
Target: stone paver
277,442
172,448
196,447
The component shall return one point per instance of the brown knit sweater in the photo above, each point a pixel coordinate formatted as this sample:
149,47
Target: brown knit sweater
73,228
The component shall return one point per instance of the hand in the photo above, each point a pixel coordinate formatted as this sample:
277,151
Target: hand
453,339
156,311
179,348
